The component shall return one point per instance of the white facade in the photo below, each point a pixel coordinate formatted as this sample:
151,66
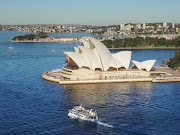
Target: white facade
173,26
128,27
144,26
164,24
122,27
138,26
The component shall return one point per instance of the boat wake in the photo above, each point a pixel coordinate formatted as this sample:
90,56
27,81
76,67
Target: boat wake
80,113
110,126
104,124
6,52
119,128
98,123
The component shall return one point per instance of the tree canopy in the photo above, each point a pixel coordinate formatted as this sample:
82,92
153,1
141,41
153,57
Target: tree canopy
175,62
142,42
31,36
27,37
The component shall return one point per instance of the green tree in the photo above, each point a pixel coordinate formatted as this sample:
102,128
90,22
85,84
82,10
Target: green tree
176,51
27,37
42,35
175,62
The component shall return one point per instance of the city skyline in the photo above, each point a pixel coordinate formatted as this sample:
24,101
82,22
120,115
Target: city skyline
101,12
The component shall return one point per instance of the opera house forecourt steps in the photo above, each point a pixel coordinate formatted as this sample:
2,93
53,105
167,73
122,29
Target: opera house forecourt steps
93,63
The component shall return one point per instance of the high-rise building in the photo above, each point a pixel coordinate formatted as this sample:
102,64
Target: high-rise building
159,26
59,27
138,26
144,26
128,27
177,29
122,27
164,24
173,25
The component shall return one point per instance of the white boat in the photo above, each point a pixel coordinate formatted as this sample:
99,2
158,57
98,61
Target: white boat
11,48
80,112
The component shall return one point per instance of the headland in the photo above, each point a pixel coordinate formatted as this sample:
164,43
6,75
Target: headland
93,63
47,39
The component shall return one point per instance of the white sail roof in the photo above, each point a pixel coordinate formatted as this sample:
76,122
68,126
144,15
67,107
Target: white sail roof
148,64
76,49
103,52
77,58
90,57
124,57
115,63
85,43
95,54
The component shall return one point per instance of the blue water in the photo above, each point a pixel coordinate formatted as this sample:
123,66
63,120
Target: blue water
38,107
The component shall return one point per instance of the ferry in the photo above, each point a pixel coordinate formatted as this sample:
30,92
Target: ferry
80,112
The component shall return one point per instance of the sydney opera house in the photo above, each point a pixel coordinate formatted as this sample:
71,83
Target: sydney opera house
94,61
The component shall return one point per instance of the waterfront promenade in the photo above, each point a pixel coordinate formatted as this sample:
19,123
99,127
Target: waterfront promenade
162,74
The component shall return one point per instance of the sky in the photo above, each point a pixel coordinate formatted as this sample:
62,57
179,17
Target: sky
88,12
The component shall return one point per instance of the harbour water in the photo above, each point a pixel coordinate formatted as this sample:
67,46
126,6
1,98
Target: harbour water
31,105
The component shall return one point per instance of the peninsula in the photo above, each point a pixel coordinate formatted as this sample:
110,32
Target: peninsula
93,63
42,37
